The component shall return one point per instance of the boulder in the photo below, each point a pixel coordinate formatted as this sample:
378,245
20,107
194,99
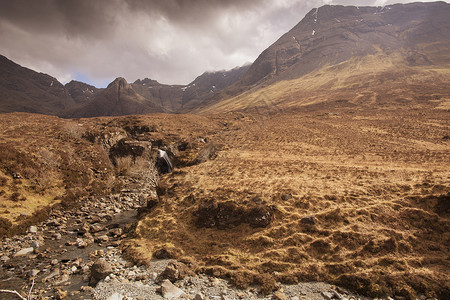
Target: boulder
99,270
175,271
170,291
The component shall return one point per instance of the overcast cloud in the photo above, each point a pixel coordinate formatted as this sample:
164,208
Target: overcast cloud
172,41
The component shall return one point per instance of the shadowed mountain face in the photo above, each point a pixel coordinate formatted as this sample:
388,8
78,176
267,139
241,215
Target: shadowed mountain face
22,89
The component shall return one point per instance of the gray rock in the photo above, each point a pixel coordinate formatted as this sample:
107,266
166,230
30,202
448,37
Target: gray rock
174,271
279,295
199,296
24,251
33,273
99,270
170,291
115,296
35,244
57,236
4,258
330,295
51,275
32,229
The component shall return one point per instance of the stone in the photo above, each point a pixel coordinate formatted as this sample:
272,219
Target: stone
102,239
57,236
310,220
84,228
328,295
60,294
24,251
99,270
51,275
54,261
97,228
33,273
35,244
115,296
199,296
116,231
83,243
170,291
4,258
175,271
32,229
279,295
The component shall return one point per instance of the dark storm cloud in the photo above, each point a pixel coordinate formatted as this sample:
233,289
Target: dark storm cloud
171,41
73,17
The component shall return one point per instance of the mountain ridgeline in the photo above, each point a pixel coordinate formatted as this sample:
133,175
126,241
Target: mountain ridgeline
24,90
347,49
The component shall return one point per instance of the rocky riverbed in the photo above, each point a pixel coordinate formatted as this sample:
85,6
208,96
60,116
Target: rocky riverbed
76,255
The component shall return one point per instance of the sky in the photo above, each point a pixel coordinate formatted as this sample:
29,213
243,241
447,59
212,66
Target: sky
172,41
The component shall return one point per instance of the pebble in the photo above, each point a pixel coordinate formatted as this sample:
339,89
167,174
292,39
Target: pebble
24,251
115,296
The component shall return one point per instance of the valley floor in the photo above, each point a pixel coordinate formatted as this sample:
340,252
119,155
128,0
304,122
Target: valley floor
355,197
358,198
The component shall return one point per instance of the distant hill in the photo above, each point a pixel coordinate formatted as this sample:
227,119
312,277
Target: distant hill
349,52
24,90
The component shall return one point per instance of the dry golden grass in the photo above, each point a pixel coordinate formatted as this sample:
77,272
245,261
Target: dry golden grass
379,79
51,162
376,181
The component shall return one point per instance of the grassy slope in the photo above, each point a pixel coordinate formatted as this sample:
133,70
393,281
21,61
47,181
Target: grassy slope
374,79
55,163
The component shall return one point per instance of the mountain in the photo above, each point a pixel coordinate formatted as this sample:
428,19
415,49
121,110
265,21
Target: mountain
183,98
25,90
81,92
208,84
349,49
118,99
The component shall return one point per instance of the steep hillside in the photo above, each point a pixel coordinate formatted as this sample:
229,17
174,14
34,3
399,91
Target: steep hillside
81,92
25,90
402,38
208,84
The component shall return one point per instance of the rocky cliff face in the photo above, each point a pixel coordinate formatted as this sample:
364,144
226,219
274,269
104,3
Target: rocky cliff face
81,92
332,34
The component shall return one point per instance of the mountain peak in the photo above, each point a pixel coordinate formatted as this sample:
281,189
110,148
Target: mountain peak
119,82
